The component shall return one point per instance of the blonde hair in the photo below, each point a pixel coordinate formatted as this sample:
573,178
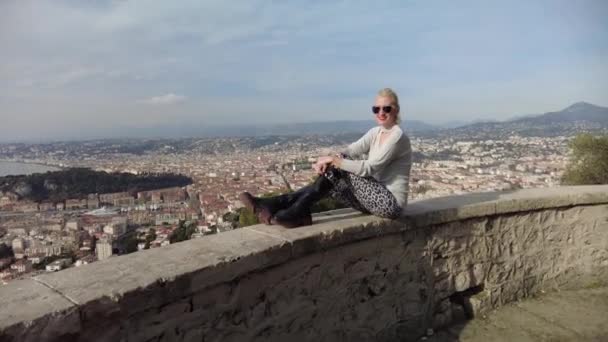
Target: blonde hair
388,92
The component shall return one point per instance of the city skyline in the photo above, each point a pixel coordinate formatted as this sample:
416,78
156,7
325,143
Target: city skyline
90,68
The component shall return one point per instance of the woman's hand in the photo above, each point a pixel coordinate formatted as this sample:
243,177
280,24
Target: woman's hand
317,168
322,162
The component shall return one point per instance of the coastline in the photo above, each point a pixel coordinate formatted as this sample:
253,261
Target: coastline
17,168
34,163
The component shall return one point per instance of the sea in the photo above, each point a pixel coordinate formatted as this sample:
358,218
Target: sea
12,168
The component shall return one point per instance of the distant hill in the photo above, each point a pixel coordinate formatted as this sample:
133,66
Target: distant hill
576,118
579,117
578,112
58,186
454,124
344,126
241,130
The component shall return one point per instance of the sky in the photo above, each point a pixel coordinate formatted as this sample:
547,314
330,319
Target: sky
71,68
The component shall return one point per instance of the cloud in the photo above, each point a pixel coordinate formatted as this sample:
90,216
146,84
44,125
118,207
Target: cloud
167,99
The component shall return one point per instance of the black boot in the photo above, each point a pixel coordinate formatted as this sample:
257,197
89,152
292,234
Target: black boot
298,214
264,208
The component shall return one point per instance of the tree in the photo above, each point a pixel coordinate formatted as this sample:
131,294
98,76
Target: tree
182,233
233,217
247,218
130,244
589,160
5,251
151,236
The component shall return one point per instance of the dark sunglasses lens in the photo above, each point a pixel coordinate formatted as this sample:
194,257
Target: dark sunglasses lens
376,109
387,109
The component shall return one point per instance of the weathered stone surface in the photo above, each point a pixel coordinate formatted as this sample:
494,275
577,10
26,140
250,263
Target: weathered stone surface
30,311
203,262
453,208
347,277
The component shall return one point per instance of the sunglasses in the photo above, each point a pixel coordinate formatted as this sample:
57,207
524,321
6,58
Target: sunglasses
385,109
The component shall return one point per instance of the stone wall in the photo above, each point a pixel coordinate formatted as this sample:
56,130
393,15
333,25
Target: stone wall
347,277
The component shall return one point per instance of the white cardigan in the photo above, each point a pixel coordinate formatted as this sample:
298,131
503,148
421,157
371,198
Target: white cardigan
389,164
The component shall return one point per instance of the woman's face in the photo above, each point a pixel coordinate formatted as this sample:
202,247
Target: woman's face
382,118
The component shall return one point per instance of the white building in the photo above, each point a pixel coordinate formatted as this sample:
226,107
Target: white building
58,265
18,244
117,227
22,266
72,225
103,249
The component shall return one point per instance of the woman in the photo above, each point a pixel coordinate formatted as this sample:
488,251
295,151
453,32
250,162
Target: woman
378,184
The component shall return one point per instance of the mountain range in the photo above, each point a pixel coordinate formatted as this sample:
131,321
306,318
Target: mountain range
242,130
579,117
580,111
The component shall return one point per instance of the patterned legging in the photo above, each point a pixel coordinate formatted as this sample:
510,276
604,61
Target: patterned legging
365,194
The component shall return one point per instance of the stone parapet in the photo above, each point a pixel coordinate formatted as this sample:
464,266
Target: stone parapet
347,277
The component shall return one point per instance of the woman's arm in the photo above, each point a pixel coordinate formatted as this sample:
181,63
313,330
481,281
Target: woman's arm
386,154
360,146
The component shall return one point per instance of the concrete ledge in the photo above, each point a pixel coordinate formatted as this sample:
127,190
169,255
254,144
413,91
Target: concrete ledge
454,208
16,301
102,300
